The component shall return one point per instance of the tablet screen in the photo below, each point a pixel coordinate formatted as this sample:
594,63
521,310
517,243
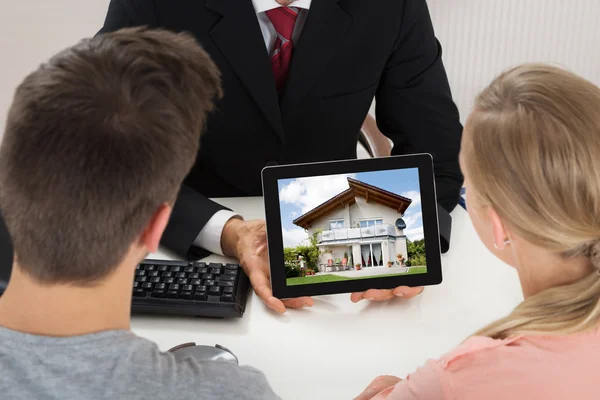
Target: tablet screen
349,227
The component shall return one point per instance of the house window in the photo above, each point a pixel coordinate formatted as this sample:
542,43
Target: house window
336,224
370,222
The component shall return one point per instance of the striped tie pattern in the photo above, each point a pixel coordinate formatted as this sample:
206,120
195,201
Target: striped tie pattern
283,20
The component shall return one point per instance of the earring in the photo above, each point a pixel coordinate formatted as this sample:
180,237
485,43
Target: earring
505,243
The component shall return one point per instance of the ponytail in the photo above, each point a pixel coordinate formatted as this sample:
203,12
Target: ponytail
560,310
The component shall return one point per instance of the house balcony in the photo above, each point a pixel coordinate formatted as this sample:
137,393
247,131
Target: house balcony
350,234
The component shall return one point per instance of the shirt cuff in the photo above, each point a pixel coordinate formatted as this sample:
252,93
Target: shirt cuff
209,237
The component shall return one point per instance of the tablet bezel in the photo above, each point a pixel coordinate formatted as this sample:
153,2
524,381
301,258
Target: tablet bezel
272,174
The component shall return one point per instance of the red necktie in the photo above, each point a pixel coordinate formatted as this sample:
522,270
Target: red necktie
283,20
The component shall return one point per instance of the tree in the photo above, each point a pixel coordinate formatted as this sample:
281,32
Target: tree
416,252
310,253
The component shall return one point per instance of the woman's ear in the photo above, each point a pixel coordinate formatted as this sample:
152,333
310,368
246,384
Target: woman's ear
156,227
499,232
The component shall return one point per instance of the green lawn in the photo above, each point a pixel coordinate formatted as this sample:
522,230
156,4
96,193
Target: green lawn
334,278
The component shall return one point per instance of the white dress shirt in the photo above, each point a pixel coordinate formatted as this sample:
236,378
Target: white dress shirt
209,237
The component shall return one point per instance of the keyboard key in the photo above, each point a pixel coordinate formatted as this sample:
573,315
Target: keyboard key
187,288
215,265
215,271
230,272
201,289
196,282
153,273
180,275
162,268
138,267
172,294
199,264
168,280
195,275
173,286
141,279
160,286
140,272
167,274
182,281
207,276
227,278
214,290
226,284
203,270
147,286
139,292
149,267
232,266
209,282
175,268
156,279
228,290
136,284
189,269
200,296
186,295
158,293
227,297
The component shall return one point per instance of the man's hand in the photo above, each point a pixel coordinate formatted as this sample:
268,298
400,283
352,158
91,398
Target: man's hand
378,385
247,241
404,292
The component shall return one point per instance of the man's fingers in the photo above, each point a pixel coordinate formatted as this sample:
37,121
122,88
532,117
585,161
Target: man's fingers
356,297
372,295
408,292
299,302
263,290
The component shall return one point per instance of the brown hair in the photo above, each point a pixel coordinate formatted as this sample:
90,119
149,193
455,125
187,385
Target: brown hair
96,139
532,154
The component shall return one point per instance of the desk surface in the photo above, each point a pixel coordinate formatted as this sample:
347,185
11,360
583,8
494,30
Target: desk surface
334,349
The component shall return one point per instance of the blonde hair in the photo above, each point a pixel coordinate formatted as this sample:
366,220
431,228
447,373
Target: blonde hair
533,155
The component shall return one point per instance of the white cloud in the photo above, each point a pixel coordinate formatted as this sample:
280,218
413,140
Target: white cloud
414,234
413,219
307,193
293,214
414,195
294,237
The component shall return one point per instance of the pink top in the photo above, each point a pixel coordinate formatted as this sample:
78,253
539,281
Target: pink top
527,367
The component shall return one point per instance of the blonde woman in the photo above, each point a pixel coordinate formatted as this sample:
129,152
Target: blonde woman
531,159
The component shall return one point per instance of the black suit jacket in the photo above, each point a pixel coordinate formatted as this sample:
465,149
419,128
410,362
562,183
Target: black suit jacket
349,52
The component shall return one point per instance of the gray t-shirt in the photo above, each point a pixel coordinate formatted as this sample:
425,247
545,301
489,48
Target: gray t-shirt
115,365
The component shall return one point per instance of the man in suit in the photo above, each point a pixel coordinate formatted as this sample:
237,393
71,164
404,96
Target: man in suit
299,78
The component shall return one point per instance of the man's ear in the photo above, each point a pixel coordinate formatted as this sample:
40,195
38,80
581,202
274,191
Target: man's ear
498,229
156,227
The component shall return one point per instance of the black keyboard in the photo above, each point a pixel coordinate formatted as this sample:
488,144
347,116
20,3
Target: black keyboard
189,288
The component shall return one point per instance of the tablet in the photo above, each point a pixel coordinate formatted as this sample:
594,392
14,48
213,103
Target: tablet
350,226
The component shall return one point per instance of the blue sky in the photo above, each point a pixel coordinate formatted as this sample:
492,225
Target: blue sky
299,195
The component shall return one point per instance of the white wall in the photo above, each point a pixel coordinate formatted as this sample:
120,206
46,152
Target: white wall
480,38
363,210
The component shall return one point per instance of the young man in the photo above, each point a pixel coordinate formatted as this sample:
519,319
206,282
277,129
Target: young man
97,143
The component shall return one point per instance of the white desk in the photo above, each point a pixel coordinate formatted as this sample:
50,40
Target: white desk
334,349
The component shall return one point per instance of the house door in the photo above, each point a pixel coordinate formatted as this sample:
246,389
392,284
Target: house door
372,255
377,254
365,252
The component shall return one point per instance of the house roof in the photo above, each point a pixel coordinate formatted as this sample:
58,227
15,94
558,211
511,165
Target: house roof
357,189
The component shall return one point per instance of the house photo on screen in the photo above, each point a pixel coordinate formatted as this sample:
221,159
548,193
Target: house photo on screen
352,226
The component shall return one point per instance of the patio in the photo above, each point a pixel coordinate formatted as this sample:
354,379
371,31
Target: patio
372,271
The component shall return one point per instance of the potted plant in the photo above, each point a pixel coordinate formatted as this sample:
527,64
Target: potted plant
400,258
358,267
389,263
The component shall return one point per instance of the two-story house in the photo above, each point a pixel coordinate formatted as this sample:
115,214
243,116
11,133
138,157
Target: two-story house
363,222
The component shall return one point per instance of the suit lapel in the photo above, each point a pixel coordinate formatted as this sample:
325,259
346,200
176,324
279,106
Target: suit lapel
325,27
239,38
